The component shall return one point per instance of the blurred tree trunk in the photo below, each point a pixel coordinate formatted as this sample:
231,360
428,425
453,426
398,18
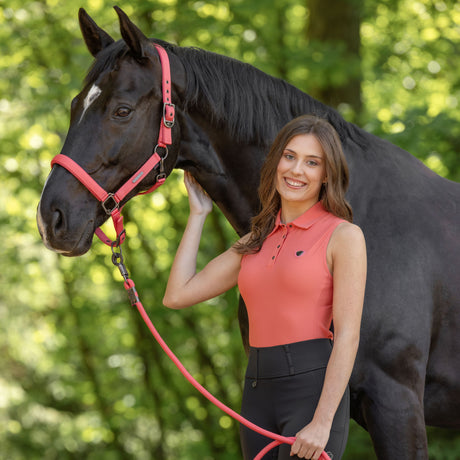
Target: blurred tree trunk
338,22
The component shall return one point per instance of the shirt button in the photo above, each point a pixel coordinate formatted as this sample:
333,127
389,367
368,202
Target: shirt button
273,258
278,246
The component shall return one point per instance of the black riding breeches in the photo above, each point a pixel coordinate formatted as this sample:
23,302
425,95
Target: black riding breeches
282,388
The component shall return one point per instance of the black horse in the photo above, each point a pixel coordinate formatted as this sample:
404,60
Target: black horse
407,372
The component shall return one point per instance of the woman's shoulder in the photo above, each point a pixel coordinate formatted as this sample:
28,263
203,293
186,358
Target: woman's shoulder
347,235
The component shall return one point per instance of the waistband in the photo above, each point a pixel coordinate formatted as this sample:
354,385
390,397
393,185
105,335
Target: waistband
289,359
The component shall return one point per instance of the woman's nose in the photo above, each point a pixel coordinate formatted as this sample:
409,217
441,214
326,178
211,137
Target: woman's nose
297,168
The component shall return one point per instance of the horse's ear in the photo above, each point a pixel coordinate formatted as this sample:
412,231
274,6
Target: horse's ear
95,38
132,35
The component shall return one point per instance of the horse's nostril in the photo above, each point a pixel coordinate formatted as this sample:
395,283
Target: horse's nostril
57,221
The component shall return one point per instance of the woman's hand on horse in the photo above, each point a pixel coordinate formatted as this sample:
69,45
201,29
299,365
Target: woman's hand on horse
199,201
311,441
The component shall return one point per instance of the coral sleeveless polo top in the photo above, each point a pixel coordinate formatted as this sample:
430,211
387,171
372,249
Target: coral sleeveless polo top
287,285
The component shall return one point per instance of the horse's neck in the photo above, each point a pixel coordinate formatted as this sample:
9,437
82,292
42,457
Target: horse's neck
219,178
227,133
233,114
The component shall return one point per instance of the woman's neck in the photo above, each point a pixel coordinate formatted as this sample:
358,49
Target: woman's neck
291,211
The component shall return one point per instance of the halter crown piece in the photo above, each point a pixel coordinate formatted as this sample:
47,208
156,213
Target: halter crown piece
111,201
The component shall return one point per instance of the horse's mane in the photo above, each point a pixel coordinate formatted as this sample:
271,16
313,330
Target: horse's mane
252,105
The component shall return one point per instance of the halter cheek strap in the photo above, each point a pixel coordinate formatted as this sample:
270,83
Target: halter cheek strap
164,137
111,201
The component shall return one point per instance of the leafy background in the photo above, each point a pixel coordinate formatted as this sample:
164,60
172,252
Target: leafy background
79,375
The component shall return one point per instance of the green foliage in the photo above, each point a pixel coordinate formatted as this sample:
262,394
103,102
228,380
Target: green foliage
80,376
411,86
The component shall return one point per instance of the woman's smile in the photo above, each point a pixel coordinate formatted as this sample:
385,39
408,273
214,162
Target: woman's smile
294,183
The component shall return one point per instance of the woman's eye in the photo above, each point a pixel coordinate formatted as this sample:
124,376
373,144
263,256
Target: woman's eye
123,112
312,163
288,156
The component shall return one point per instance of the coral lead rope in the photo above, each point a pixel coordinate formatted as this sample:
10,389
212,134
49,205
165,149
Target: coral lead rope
111,204
117,259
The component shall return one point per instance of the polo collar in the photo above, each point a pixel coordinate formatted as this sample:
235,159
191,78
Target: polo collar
306,220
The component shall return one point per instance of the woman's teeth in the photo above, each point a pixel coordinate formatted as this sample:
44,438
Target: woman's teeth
294,183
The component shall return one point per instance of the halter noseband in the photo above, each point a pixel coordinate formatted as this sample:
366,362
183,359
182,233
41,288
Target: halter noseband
111,201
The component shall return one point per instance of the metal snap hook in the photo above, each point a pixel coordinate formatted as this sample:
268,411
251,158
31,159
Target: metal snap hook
163,147
161,175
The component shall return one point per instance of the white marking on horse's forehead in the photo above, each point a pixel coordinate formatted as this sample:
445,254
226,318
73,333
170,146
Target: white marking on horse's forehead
92,95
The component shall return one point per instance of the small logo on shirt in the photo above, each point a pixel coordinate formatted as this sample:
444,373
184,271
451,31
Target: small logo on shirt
299,253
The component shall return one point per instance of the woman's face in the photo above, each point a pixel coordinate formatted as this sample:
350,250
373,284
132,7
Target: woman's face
301,172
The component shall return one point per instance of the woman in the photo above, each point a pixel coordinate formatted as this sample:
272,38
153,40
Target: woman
302,265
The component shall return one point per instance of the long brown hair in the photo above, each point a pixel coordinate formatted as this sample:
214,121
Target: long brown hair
332,194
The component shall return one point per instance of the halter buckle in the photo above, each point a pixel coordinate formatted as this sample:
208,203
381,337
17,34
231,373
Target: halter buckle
110,204
168,122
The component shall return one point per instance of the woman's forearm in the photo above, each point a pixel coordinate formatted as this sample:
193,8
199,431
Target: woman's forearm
338,374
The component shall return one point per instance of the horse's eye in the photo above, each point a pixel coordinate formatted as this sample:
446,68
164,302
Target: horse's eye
122,112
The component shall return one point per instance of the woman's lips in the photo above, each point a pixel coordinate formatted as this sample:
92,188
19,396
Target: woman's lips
294,183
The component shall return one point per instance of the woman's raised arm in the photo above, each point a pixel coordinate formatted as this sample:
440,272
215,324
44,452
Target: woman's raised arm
185,286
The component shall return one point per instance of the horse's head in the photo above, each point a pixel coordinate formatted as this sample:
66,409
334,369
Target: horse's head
114,127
